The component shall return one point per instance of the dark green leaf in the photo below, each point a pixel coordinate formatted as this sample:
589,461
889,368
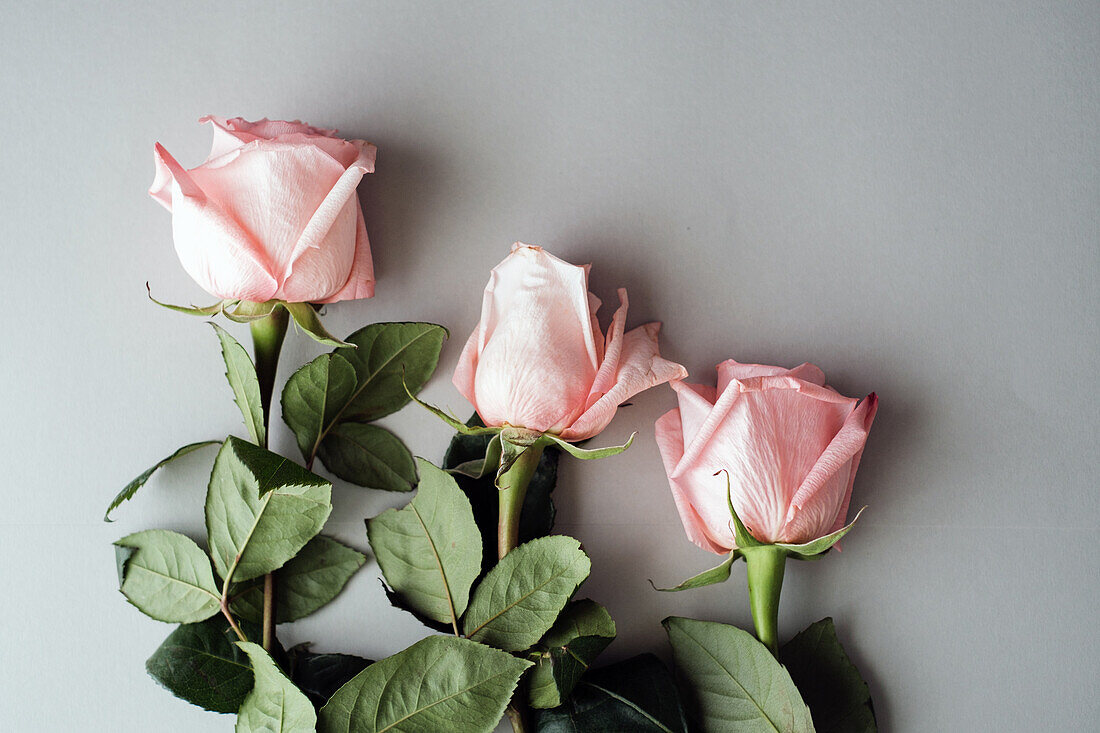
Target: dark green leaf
830,684
168,577
131,488
581,633
442,683
321,675
261,509
388,353
200,663
367,455
314,396
430,550
306,317
718,574
308,581
519,599
536,517
636,695
732,682
241,373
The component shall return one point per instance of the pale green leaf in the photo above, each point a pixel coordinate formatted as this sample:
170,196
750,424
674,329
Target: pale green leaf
313,396
131,488
367,455
168,577
261,509
438,684
519,599
430,550
241,373
736,683
274,705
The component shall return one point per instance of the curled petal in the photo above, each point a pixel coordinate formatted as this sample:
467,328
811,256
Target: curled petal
640,367
730,370
670,442
360,283
213,248
821,503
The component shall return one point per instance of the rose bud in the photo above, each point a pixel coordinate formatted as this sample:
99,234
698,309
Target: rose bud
537,359
272,213
762,468
787,446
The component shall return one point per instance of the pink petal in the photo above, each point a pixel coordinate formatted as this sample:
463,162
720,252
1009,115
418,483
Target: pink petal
272,191
360,283
821,503
322,259
696,403
466,369
640,367
220,256
536,353
730,370
670,442
768,432
612,351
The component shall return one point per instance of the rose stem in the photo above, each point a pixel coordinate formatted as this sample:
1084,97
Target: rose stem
765,576
267,340
513,490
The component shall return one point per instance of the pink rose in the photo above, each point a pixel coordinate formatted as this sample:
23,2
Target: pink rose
272,213
538,359
790,445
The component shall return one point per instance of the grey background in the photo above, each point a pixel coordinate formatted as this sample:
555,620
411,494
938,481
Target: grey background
904,193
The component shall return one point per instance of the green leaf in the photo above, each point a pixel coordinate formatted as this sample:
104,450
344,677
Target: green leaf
167,577
321,675
635,695
430,551
580,634
241,373
200,663
274,705
308,581
191,310
718,574
829,682
590,454
261,509
314,396
131,488
367,455
306,317
440,683
734,682
401,603
386,354
519,599
821,544
537,515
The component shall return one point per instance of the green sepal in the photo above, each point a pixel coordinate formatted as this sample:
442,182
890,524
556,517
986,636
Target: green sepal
741,534
247,311
306,317
131,488
590,454
451,420
718,574
481,467
192,310
821,545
